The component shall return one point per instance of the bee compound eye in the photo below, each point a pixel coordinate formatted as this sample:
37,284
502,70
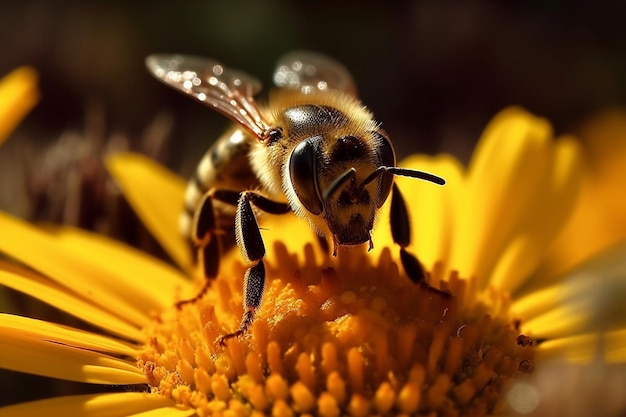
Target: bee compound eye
387,158
302,173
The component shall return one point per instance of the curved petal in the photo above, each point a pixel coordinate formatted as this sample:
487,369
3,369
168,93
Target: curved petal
173,411
553,204
29,327
430,208
36,286
41,252
90,405
157,195
599,219
37,353
98,269
559,321
588,299
146,281
18,94
610,346
507,169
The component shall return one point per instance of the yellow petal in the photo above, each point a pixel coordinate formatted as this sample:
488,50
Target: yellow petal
145,281
558,322
553,203
580,348
509,164
430,207
537,302
173,411
157,196
28,327
42,355
599,219
610,347
18,94
99,270
31,283
42,252
588,299
90,405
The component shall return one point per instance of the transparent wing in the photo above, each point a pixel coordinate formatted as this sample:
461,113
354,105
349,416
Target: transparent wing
228,91
309,71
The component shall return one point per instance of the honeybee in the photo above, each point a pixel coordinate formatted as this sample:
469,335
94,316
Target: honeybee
314,150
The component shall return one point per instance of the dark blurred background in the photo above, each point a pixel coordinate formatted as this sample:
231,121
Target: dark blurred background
433,72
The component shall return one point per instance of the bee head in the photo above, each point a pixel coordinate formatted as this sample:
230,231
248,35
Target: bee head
336,182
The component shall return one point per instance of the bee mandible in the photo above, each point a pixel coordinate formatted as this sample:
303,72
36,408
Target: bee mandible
314,150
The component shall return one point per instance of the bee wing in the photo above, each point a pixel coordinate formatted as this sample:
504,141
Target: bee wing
228,91
309,71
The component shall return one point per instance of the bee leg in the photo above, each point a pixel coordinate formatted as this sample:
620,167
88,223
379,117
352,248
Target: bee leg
252,248
203,237
401,233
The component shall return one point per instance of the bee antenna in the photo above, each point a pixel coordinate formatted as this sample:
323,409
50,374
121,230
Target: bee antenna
328,192
411,173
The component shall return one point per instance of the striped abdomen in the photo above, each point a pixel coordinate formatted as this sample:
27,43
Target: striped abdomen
224,166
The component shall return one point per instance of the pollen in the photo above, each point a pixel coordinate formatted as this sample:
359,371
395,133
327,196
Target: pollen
348,336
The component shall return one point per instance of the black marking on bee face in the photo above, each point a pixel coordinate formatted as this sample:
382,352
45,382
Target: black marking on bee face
348,149
353,232
352,219
353,195
310,120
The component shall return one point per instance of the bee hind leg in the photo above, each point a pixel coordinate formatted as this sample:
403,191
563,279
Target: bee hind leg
401,234
204,238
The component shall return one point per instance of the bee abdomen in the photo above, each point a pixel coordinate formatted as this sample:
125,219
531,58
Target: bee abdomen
224,166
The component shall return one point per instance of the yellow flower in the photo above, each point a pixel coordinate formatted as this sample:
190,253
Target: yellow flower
598,221
18,94
335,336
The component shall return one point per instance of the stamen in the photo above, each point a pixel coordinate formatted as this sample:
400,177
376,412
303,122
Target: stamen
334,341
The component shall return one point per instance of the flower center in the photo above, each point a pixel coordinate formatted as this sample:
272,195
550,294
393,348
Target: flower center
351,339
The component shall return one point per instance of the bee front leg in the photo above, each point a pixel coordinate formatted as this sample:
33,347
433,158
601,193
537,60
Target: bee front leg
401,234
250,242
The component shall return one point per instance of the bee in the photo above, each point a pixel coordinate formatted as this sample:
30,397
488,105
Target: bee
314,150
